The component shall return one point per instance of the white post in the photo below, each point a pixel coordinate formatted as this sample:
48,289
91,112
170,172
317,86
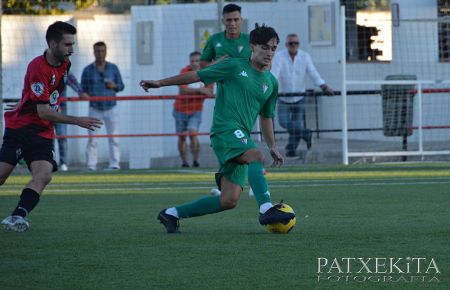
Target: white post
419,112
344,88
219,15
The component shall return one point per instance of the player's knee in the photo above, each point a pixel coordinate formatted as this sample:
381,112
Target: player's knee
259,157
255,156
44,178
252,155
229,201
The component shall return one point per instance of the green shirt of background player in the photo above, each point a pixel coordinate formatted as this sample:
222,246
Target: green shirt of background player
247,89
231,42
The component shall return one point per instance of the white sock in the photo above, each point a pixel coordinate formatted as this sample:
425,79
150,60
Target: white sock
215,191
264,207
172,211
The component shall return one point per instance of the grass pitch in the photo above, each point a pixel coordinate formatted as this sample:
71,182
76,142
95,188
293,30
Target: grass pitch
99,231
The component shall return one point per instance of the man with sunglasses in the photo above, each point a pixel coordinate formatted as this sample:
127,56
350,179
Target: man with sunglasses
290,66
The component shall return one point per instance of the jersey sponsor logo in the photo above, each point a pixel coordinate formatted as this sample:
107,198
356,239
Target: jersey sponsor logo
243,74
54,97
240,48
219,44
37,88
264,87
53,81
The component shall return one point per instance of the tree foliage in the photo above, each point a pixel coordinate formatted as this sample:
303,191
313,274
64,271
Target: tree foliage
43,7
373,4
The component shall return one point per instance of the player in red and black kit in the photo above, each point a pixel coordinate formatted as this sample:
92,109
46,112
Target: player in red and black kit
29,131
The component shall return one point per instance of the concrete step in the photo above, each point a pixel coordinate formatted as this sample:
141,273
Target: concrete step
323,151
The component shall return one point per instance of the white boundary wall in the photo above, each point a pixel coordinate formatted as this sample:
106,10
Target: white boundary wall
173,40
23,38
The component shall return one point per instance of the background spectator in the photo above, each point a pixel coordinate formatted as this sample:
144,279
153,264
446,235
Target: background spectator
61,128
290,66
231,42
102,78
187,112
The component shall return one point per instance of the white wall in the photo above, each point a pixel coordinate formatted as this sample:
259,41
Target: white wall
173,38
414,52
23,38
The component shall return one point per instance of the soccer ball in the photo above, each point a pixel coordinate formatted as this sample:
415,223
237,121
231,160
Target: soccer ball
282,227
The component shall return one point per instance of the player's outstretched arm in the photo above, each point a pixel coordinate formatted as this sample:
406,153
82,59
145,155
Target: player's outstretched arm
181,79
269,136
87,122
45,112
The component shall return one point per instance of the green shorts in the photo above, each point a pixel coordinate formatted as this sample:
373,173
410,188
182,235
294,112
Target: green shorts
228,145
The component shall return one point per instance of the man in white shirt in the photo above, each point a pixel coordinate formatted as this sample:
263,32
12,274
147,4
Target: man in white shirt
290,66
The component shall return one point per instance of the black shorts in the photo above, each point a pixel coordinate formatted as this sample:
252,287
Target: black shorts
20,143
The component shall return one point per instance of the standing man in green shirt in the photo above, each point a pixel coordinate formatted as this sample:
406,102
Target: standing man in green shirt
231,42
246,89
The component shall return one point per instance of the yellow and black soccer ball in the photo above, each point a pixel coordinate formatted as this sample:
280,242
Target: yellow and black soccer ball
282,227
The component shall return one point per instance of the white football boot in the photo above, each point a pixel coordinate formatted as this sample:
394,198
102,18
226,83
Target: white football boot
15,223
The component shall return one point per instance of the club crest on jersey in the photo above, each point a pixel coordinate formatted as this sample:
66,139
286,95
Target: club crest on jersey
54,97
240,48
244,140
53,81
37,88
264,87
219,44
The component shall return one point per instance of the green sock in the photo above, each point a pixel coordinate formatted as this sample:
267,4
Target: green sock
202,206
258,182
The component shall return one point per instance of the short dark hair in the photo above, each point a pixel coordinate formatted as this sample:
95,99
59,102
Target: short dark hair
99,43
56,30
262,34
194,53
231,8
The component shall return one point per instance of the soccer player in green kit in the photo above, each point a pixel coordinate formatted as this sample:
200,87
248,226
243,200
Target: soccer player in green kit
231,42
246,89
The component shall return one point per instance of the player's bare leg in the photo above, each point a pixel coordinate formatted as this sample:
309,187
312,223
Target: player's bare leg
41,175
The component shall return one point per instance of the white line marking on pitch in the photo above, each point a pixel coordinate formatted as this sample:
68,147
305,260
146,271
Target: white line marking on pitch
280,184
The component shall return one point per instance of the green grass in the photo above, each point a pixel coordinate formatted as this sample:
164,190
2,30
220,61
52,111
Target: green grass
98,231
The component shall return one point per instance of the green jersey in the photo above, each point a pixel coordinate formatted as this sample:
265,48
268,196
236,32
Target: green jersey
218,45
242,94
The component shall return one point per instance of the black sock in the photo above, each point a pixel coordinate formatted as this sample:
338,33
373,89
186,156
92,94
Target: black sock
28,200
